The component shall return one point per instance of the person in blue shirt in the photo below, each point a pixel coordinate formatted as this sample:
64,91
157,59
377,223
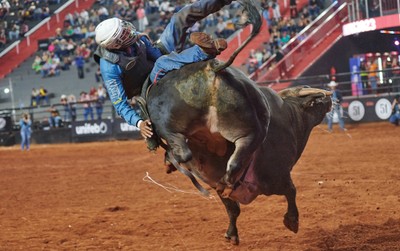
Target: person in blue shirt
337,99
127,58
25,125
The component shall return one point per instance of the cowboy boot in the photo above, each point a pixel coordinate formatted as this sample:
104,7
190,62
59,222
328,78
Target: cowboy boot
209,45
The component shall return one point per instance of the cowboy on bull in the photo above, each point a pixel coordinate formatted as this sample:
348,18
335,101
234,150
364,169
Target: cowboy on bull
127,58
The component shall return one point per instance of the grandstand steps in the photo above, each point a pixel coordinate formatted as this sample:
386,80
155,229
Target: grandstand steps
23,79
314,54
27,48
257,42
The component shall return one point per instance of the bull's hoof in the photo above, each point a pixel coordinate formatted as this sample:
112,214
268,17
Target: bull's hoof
291,223
232,239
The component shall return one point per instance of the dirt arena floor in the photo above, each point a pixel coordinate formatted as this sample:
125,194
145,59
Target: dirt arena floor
116,196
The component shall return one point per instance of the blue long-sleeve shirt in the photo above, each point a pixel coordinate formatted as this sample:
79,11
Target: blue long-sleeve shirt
112,73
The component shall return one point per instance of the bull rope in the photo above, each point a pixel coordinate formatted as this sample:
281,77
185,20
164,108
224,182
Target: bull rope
170,188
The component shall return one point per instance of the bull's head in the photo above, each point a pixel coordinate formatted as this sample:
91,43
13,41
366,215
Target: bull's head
314,102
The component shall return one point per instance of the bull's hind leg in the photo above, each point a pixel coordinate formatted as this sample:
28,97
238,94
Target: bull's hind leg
233,210
291,218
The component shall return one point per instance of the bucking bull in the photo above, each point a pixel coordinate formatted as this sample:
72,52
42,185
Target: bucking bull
239,138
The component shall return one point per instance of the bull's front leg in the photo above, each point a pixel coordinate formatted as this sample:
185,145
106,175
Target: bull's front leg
233,210
244,149
291,218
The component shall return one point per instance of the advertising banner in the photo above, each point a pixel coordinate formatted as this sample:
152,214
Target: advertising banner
122,130
91,130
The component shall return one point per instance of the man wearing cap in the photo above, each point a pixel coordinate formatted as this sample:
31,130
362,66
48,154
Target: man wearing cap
127,57
337,99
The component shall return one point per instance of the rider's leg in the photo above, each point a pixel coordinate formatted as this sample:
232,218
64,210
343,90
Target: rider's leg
174,61
174,34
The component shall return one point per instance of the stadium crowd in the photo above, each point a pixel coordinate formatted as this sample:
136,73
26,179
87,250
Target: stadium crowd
18,16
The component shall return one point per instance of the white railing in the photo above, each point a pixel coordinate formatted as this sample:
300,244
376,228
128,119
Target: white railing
9,48
29,33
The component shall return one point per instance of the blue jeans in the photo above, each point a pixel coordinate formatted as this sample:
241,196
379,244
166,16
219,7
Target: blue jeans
174,61
55,121
25,140
88,111
175,34
338,110
99,112
395,118
374,84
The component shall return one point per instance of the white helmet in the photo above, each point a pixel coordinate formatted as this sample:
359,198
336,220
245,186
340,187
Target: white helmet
115,33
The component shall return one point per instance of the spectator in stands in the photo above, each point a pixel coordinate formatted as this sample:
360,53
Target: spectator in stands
80,65
220,28
84,15
4,8
24,28
43,95
37,64
25,129
3,37
266,15
252,67
278,57
87,107
142,18
13,33
336,107
313,9
55,118
35,97
293,9
83,51
103,13
395,117
54,62
97,75
276,11
116,37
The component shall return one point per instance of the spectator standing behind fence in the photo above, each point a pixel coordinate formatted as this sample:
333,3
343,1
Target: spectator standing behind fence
72,106
364,77
67,110
336,107
100,99
55,118
87,107
25,125
395,117
372,68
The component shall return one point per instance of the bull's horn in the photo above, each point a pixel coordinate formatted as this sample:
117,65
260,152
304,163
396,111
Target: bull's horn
309,91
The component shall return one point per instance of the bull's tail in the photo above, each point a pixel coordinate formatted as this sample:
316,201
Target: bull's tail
254,18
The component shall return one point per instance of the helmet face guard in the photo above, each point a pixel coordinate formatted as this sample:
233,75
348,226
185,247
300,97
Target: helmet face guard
115,34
